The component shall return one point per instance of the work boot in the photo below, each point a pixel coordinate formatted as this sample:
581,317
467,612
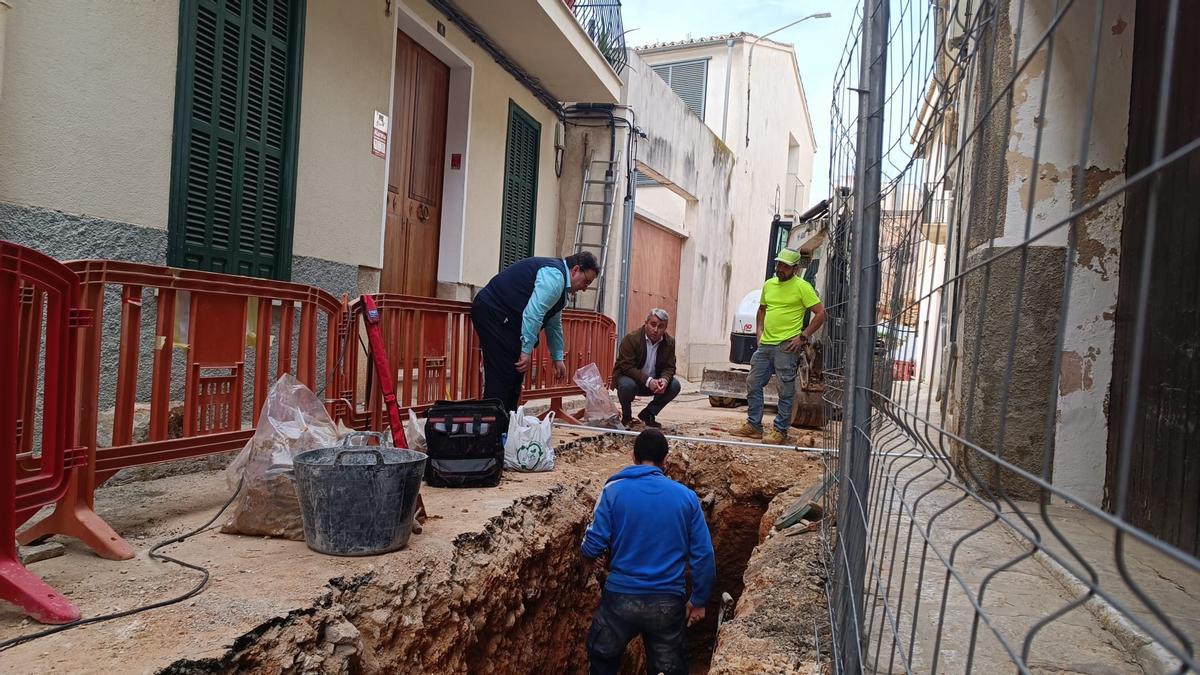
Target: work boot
747,430
775,437
649,420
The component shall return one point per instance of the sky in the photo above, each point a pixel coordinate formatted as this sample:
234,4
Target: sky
819,44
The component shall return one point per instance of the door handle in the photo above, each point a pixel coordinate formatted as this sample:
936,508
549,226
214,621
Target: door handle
422,212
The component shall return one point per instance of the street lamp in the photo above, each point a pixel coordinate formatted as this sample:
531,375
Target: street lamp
750,61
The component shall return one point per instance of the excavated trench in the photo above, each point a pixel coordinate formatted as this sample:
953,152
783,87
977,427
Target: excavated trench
517,596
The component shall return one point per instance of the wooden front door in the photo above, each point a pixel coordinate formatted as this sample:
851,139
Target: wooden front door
414,195
653,273
1164,472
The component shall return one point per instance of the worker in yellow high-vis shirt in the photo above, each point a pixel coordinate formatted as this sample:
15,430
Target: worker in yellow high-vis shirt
781,338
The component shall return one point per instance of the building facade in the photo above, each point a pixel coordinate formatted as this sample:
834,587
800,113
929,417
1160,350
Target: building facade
403,146
714,196
749,93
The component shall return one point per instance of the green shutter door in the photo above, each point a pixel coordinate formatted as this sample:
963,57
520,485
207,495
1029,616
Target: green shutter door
520,186
233,169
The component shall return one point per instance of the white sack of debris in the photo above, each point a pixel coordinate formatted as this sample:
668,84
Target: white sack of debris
293,420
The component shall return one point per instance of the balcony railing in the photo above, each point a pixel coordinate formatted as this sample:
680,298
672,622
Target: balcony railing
938,203
601,20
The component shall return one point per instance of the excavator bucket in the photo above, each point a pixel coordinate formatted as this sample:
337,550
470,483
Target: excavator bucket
726,388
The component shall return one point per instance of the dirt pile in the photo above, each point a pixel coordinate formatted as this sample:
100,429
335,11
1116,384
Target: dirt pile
780,624
736,486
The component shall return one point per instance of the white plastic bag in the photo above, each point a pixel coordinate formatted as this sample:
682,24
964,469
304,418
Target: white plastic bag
292,420
599,411
414,433
528,447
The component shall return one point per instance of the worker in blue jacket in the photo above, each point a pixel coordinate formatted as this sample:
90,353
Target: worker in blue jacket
651,526
520,302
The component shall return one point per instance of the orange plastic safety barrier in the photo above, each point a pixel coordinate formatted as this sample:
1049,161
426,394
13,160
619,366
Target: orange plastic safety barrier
206,347
430,346
39,299
433,347
589,338
215,337
903,371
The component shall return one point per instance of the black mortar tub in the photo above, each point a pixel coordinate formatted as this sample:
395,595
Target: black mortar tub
358,499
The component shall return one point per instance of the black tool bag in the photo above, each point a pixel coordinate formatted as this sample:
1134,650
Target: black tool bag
465,446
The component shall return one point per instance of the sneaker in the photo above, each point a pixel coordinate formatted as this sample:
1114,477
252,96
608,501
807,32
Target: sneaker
747,430
775,437
626,421
649,420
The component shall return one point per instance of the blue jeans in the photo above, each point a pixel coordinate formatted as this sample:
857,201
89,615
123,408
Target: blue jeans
661,621
769,360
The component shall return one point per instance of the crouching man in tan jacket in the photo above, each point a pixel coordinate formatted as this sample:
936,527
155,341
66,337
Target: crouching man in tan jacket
646,367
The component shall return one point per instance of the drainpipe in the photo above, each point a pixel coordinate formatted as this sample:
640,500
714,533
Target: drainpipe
728,74
626,252
4,7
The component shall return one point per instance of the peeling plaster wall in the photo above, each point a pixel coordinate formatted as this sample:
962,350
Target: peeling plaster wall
1026,191
1087,364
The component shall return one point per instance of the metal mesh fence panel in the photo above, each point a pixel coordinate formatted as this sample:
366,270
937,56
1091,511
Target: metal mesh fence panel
1012,360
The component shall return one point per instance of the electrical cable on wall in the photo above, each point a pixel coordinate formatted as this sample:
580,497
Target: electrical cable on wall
477,36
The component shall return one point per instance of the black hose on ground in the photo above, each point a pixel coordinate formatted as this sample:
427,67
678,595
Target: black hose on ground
20,640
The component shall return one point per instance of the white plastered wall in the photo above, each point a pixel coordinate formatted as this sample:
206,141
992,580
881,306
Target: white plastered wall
87,113
756,191
681,150
1081,438
340,185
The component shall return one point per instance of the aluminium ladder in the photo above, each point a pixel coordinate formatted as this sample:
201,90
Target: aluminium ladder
594,226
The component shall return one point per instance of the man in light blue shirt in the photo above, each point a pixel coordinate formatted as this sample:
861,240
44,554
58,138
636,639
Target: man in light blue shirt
519,303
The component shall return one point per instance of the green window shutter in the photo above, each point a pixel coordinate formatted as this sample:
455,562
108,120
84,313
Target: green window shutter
236,128
520,186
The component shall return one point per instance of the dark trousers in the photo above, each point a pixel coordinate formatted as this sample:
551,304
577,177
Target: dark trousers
661,620
627,390
500,340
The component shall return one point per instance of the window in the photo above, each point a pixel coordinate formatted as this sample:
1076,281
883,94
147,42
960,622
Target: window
520,186
234,157
781,231
688,79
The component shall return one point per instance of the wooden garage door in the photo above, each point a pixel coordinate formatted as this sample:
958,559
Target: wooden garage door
653,273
